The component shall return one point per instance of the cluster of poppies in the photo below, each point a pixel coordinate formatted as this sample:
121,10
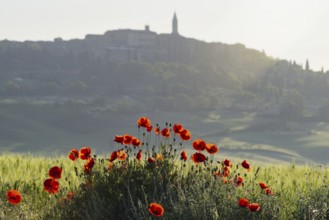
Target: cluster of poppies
118,155
253,207
266,188
145,123
51,184
178,129
127,140
121,155
225,170
184,134
238,182
201,145
83,154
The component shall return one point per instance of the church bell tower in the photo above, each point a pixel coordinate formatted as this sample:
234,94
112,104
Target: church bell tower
175,25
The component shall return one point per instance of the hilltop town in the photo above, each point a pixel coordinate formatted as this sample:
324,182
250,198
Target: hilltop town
125,45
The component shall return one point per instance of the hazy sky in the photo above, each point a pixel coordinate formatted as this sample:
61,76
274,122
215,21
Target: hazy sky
288,29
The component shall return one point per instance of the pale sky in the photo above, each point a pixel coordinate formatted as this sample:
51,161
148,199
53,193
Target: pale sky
287,29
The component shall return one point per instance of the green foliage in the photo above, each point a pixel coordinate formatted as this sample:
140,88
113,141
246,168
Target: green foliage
292,106
212,66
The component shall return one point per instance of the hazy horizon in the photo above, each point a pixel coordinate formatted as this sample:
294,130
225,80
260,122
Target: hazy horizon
293,30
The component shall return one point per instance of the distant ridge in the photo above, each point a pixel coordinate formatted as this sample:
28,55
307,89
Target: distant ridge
126,45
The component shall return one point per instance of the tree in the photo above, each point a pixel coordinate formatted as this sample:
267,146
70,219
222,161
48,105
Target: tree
292,106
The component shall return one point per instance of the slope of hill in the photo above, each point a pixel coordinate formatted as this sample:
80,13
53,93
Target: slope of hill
80,91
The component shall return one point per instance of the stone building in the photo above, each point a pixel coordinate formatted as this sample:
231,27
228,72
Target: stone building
142,45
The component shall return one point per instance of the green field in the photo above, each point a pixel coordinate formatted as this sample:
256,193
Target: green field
40,128
300,192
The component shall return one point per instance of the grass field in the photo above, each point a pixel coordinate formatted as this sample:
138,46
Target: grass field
40,128
30,126
119,184
300,192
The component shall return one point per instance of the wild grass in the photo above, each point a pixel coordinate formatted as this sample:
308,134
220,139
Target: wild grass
26,173
186,190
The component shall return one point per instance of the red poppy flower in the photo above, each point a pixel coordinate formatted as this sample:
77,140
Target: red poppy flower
178,128
14,197
121,155
263,185
55,172
226,172
157,131
73,154
268,191
85,153
136,142
127,139
113,156
118,139
228,163
254,207
149,128
51,186
211,148
185,135
183,156
139,155
246,165
89,165
151,160
198,158
243,202
165,132
156,209
238,181
199,145
144,122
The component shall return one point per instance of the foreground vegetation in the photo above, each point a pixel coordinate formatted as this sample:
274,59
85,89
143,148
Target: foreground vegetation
123,185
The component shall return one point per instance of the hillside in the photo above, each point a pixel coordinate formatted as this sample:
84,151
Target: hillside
75,92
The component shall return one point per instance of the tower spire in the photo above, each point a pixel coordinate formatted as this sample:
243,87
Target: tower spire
175,24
